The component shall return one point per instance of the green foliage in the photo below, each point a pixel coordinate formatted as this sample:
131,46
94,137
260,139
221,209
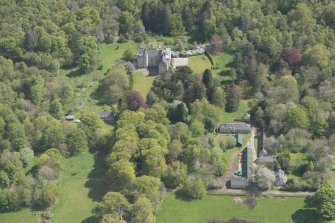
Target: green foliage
217,161
122,173
329,14
206,113
142,211
178,111
153,162
264,178
297,118
175,148
219,97
317,55
115,84
90,123
115,204
233,99
77,141
36,90
56,109
149,187
88,48
129,55
325,201
194,188
175,175
207,78
157,113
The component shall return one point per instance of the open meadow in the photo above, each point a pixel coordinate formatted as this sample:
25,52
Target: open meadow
267,210
221,61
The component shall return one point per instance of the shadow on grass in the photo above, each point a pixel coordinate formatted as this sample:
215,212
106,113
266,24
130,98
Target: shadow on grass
92,219
180,195
75,73
98,94
234,220
306,216
97,183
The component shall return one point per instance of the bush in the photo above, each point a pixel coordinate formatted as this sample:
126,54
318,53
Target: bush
264,178
292,185
231,142
193,188
122,39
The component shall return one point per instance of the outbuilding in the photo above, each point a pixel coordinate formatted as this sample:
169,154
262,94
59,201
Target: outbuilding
239,141
233,128
238,183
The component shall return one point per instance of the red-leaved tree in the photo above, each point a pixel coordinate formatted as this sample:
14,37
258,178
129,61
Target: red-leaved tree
292,56
135,101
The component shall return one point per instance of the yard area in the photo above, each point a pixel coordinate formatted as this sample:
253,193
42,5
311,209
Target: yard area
142,83
242,109
75,204
24,215
85,85
268,210
200,62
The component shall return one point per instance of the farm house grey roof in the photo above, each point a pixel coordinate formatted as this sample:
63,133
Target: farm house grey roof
233,128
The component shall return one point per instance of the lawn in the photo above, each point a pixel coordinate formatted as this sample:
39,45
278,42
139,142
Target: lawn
111,53
85,85
242,109
200,62
74,203
78,194
22,216
268,210
142,83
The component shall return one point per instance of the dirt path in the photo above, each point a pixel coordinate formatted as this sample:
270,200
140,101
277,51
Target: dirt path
251,146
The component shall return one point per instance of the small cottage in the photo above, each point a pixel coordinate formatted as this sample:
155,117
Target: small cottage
107,116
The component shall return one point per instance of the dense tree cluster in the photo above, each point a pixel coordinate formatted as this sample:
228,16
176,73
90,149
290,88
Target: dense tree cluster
283,59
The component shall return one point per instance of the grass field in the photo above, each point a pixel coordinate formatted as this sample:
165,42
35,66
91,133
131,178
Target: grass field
221,60
22,216
242,109
74,203
199,63
142,83
85,85
80,190
268,210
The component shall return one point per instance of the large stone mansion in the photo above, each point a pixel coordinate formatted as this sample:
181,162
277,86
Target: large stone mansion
155,58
